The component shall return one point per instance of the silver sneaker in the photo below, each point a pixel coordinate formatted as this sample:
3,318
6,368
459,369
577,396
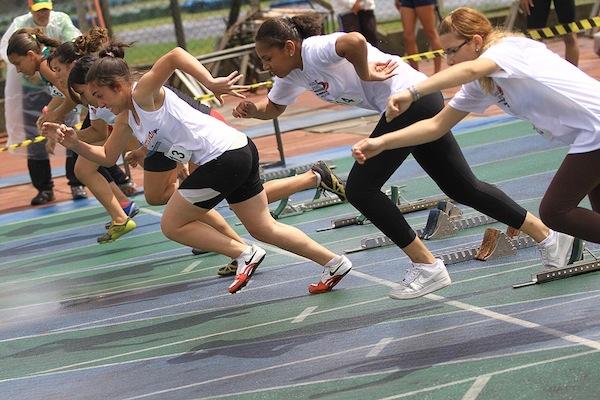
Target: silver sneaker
418,282
557,253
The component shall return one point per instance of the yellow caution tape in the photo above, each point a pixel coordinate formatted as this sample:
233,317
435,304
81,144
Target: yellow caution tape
24,143
560,30
209,97
428,55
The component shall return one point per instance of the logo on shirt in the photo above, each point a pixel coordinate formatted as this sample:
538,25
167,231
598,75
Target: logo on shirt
320,89
500,98
150,137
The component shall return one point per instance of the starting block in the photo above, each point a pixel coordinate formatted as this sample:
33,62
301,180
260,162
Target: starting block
578,268
405,208
287,172
447,219
320,200
495,244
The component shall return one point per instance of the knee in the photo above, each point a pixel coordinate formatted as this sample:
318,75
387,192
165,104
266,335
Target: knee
355,192
156,199
550,214
82,172
262,232
167,228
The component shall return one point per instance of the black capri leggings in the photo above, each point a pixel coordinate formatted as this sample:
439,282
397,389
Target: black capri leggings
443,161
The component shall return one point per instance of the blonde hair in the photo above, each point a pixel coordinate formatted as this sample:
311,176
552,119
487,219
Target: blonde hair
466,23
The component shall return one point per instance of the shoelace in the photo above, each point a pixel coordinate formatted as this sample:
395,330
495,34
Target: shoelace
544,254
411,274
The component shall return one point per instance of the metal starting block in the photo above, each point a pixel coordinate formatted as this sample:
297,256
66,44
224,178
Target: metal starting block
447,219
287,172
495,244
321,199
578,268
405,208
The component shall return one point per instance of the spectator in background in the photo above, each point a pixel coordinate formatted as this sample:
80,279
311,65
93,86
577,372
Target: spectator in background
357,16
537,17
424,10
25,98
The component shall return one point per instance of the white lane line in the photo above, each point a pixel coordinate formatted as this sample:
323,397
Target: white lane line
516,321
136,260
379,347
477,387
497,316
190,267
304,314
500,372
151,212
462,325
374,279
194,339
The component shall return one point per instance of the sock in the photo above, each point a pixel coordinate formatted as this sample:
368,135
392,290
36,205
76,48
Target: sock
241,259
549,241
318,175
436,266
335,260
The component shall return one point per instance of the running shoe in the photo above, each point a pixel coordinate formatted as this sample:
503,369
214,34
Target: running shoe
131,211
43,197
246,268
329,181
198,252
331,276
78,192
419,281
128,188
229,269
115,231
558,250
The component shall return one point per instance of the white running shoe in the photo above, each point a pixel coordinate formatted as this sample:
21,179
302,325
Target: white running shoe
331,276
419,281
555,250
246,268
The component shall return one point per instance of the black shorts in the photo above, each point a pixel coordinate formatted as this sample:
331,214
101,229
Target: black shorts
565,10
417,3
233,176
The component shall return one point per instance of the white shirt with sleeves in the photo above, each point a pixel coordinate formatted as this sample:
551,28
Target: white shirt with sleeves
177,123
334,79
535,84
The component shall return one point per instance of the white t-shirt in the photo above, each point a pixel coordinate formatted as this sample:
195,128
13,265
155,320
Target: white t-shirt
334,79
178,124
535,84
101,113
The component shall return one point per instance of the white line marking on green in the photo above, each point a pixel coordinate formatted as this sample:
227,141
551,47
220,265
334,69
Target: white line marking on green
304,314
475,390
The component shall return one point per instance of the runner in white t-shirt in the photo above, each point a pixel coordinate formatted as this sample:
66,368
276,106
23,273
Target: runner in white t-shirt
227,160
526,80
345,69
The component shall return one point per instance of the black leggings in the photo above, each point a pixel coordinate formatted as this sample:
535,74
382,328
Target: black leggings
444,163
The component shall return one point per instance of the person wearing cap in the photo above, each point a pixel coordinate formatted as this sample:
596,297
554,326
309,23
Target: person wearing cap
25,98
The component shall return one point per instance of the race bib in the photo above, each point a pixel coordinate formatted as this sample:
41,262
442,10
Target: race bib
179,154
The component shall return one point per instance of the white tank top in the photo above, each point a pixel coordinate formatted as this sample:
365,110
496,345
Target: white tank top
177,125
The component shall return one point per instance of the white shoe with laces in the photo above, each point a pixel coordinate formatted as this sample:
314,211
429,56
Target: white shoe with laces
555,250
421,279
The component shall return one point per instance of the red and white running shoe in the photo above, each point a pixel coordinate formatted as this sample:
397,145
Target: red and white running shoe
246,269
331,276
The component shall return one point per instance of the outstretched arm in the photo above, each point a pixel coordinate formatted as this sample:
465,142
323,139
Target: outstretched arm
353,47
153,80
106,155
456,75
424,131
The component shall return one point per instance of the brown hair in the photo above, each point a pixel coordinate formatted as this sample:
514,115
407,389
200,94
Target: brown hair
108,69
466,22
87,44
276,31
29,39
